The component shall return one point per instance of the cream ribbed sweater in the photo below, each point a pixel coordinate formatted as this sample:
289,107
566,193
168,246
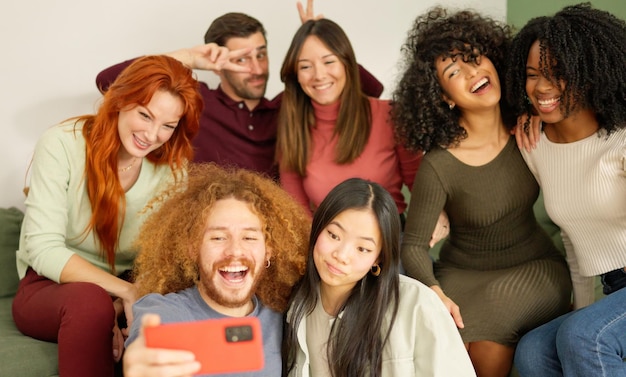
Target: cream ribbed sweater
584,188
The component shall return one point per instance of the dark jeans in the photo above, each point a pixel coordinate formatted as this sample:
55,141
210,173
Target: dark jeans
587,342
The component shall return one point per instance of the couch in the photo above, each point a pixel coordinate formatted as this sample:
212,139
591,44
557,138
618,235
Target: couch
20,355
24,356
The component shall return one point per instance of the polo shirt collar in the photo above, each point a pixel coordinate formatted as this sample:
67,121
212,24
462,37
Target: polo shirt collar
264,103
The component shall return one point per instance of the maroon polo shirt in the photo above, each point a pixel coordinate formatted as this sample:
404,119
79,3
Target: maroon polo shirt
232,135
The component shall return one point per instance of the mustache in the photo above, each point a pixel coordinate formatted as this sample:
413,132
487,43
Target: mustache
256,77
234,260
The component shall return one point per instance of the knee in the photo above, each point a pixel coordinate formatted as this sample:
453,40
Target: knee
576,334
531,347
87,302
524,358
525,346
575,329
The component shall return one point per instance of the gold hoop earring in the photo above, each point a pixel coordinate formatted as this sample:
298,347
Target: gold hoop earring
375,270
268,264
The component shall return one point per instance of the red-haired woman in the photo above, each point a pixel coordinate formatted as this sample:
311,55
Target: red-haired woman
90,178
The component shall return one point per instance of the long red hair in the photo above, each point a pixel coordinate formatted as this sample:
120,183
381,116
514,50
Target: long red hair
135,86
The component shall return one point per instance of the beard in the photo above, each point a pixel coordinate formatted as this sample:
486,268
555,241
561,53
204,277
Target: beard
241,88
226,298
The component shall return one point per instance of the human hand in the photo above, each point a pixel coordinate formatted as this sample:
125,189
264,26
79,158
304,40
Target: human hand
527,138
211,57
450,305
308,14
442,229
119,334
118,343
142,361
124,304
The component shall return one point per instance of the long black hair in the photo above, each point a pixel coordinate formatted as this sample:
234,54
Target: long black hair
356,341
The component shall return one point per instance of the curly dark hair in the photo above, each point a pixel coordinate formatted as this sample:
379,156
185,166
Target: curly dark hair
422,119
584,49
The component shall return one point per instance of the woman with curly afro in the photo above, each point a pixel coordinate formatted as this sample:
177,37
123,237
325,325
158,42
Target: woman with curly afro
498,273
570,70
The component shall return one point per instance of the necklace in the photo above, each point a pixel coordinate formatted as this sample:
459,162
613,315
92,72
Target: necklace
122,170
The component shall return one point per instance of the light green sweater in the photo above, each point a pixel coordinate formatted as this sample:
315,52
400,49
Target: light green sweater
58,208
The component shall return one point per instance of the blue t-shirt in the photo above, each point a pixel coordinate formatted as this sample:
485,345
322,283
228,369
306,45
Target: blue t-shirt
188,305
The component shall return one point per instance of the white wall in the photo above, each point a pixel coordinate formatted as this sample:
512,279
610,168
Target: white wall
52,51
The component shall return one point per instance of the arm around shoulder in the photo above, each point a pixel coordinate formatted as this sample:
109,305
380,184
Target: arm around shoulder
370,84
105,78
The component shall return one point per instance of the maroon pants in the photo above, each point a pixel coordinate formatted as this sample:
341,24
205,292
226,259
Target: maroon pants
78,316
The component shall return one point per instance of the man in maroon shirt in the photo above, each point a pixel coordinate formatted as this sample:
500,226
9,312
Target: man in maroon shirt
238,124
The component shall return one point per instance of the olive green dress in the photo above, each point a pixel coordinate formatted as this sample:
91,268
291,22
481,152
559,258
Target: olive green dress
498,265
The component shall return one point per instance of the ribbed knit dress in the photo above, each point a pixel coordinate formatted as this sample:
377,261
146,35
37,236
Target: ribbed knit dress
497,264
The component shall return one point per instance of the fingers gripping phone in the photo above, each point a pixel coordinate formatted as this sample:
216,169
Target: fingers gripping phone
225,345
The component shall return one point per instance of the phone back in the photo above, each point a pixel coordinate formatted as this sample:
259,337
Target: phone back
225,345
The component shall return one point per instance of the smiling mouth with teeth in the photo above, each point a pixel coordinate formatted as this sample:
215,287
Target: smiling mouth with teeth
323,86
548,102
480,84
233,272
141,143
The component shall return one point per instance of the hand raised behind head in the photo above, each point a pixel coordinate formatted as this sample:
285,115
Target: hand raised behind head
308,14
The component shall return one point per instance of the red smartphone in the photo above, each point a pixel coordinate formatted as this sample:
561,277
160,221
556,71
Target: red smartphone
225,345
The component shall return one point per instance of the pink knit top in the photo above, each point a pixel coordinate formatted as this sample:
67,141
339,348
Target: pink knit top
382,161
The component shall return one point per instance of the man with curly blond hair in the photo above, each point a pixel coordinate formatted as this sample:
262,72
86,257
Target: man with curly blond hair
232,243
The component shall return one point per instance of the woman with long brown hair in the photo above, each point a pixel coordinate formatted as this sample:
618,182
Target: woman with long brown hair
328,130
90,178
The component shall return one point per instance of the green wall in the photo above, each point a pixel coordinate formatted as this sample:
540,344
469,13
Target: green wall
520,11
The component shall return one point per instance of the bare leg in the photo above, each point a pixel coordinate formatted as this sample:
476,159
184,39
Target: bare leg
491,359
